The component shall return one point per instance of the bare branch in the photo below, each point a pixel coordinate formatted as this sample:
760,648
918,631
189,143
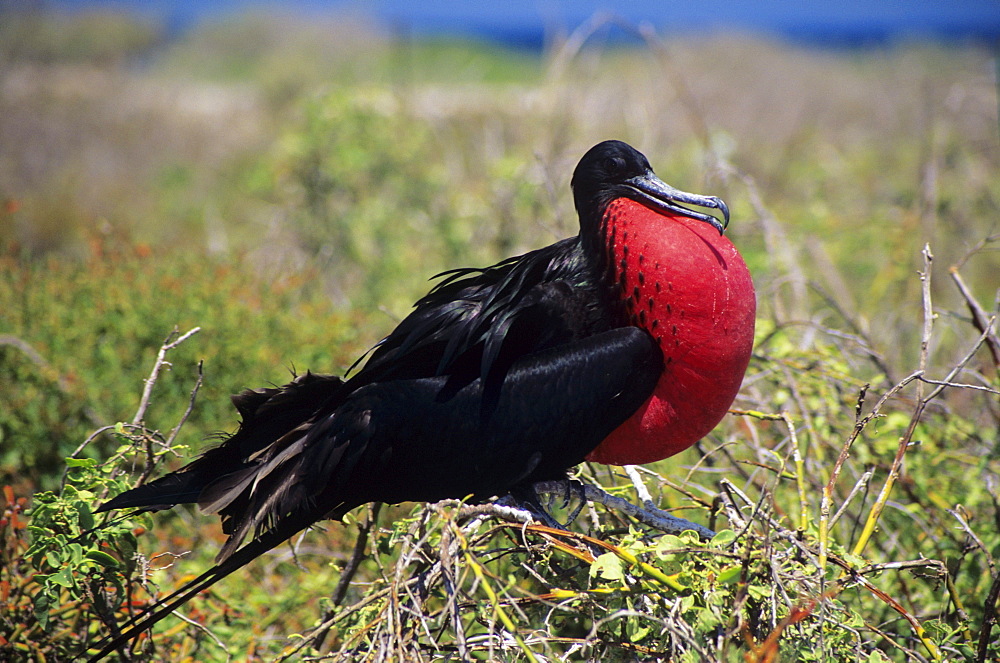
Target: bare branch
980,319
161,361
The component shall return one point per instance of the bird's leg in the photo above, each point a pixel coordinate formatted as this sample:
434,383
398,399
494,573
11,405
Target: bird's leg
570,488
526,497
530,498
523,504
647,514
572,485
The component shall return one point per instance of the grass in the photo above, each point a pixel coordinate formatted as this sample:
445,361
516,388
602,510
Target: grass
292,203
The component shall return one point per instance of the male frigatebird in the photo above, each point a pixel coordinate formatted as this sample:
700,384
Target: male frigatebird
624,344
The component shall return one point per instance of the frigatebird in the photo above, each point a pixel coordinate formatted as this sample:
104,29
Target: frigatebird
623,345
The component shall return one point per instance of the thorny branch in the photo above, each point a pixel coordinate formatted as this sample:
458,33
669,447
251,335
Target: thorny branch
137,424
171,342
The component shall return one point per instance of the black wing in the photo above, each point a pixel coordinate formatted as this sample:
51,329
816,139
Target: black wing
475,322
472,325
499,377
399,440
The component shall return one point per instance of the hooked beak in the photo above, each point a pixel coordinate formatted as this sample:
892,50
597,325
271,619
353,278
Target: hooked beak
654,192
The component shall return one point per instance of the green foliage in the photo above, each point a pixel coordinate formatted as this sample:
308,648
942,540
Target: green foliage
70,571
79,572
368,204
82,336
74,564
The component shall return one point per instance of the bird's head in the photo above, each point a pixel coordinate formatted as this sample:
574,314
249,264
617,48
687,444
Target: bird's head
614,169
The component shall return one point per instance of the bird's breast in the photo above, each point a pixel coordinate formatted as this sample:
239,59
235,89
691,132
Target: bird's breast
690,289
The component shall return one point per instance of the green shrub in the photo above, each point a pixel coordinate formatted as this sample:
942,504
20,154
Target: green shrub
82,336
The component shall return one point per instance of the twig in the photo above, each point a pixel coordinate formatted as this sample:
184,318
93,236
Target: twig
858,485
83,445
960,385
207,631
190,407
161,361
356,555
800,471
778,247
729,489
980,319
36,358
498,610
147,392
989,618
498,511
975,539
906,564
640,486
34,355
904,441
575,42
859,426
860,336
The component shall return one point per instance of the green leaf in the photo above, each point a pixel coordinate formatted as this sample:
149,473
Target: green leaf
670,542
730,574
608,566
63,577
723,538
81,462
685,603
54,559
102,558
636,631
41,606
85,514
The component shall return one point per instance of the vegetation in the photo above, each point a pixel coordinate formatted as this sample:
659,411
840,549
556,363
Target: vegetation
291,204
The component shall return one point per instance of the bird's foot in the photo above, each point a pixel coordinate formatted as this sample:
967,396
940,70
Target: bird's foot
526,499
647,514
524,505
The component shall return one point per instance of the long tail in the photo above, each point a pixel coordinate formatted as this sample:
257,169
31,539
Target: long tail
167,605
267,416
273,420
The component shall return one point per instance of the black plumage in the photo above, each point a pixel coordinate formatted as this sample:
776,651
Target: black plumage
499,377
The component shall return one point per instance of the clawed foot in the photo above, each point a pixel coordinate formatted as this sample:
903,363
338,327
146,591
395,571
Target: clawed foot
525,505
647,514
526,499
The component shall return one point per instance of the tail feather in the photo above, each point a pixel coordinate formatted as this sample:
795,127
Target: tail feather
176,488
251,479
267,415
165,606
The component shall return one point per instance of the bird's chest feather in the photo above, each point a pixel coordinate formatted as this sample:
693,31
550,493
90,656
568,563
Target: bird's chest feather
690,289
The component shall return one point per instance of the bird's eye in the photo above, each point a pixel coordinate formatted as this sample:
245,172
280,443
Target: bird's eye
614,165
